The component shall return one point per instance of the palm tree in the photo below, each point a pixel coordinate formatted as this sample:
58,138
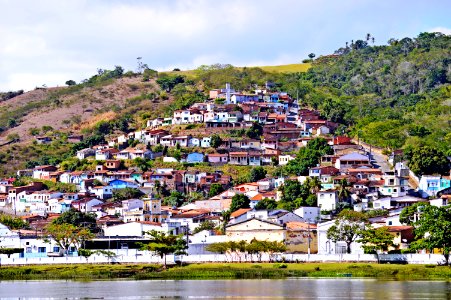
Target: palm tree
343,191
314,185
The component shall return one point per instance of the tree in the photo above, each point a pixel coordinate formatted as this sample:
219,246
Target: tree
70,82
343,190
127,193
12,123
163,244
206,225
427,160
239,201
311,56
67,235
175,199
308,156
347,227
78,219
215,189
266,204
13,222
255,131
215,141
433,230
374,239
410,214
257,173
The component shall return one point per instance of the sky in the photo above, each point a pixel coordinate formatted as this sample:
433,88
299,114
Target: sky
48,42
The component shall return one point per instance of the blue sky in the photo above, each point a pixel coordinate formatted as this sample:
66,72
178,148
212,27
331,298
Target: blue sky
51,41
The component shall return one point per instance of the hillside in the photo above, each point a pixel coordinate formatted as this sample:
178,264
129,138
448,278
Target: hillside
393,96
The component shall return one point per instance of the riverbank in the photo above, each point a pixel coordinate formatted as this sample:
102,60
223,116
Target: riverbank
224,271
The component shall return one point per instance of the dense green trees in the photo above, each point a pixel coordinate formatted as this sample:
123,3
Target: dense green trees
239,201
215,189
295,194
257,173
78,219
433,230
308,156
427,160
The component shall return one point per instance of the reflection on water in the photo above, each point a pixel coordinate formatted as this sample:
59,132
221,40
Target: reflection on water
234,289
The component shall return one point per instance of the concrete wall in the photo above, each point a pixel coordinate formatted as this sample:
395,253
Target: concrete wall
136,256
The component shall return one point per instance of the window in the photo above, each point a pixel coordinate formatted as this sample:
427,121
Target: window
390,223
56,249
42,250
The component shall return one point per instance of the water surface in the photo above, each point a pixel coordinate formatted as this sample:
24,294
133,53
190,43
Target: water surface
330,288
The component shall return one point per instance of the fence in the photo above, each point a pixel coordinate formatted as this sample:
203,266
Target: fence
136,256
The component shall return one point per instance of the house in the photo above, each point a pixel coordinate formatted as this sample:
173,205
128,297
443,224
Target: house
238,158
254,228
43,172
301,237
195,157
85,205
136,229
191,218
102,192
431,185
327,246
351,160
324,174
217,158
395,202
327,200
239,215
284,159
309,214
255,158
122,184
84,153
394,185
104,154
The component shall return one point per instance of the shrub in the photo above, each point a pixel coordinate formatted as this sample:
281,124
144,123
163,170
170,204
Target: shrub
279,266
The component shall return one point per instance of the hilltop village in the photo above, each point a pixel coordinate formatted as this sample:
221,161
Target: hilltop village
138,185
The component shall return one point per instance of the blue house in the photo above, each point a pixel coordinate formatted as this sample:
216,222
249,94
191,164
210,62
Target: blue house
195,157
122,184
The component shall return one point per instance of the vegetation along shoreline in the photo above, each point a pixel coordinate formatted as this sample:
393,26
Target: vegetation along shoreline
225,271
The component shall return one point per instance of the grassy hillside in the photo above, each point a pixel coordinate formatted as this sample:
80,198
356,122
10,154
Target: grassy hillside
393,96
291,68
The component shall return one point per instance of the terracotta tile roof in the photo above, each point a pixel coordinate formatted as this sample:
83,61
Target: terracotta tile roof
239,212
299,226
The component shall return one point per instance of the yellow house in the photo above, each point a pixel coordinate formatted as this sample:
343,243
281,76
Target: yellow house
301,237
253,228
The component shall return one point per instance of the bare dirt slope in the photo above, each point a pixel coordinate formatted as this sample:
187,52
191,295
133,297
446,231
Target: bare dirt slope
70,109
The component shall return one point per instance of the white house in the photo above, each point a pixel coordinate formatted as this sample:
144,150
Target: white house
82,154
309,214
284,159
102,192
86,205
327,246
327,200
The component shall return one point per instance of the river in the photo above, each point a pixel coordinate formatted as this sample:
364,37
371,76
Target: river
330,288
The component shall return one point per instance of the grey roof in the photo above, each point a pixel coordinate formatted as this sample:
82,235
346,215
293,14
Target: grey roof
354,156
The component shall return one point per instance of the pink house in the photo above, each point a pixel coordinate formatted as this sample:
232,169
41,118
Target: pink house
216,158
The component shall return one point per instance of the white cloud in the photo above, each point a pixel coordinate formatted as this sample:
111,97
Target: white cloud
443,30
51,41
